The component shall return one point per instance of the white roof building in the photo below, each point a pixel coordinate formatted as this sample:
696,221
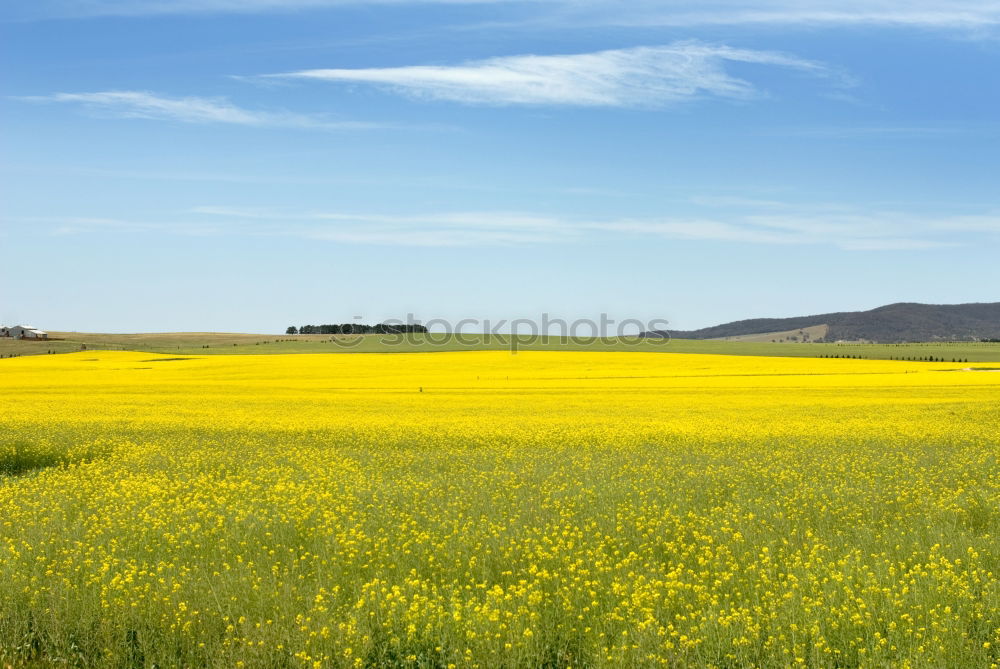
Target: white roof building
24,332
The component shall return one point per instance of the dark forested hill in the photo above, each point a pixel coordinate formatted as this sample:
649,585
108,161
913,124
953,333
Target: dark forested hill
901,322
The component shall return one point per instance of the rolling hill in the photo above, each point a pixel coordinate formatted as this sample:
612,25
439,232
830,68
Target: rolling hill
900,322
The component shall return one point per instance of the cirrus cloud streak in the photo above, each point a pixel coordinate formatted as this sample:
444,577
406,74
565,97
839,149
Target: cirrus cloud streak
147,105
645,76
841,227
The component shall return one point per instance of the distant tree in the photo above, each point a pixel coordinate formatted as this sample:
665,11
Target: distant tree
361,328
292,330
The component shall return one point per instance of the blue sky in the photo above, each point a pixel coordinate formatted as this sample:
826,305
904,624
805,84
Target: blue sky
244,165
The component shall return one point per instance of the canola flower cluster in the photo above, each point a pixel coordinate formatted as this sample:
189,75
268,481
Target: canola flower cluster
483,509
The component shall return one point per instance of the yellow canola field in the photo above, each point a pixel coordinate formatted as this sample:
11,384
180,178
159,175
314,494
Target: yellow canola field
543,509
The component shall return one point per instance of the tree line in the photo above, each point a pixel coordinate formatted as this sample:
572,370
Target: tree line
356,328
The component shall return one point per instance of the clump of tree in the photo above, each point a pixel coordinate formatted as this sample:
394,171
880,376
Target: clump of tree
356,328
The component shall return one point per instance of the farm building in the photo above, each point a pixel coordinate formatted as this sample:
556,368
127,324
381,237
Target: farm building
23,332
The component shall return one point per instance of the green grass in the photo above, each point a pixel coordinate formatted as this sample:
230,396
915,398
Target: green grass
205,343
15,347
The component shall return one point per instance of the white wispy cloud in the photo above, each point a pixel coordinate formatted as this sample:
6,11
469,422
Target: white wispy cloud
649,76
61,226
146,105
953,14
435,229
823,225
40,9
72,225
785,224
980,223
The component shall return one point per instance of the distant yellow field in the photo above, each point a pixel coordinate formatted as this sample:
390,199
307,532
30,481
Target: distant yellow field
485,509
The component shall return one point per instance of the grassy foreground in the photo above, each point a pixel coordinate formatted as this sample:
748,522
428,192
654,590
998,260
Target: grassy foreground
490,510
216,343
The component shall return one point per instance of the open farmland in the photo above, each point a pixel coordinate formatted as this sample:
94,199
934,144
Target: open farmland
223,343
483,509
